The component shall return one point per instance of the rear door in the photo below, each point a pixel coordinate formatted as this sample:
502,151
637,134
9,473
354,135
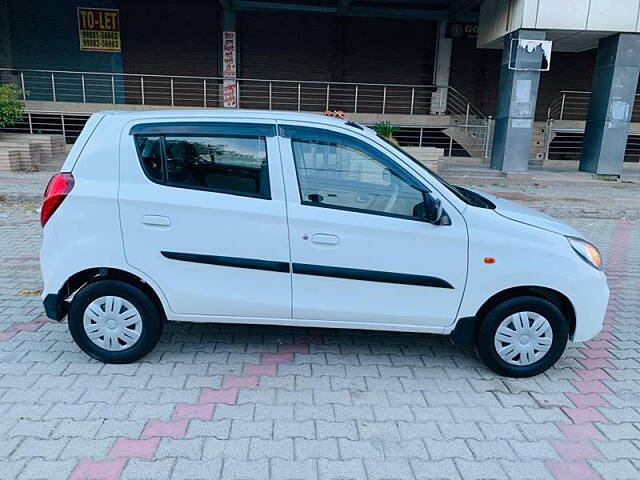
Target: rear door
359,252
203,214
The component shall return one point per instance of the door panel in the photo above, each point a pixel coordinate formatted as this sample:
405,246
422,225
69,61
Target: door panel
383,267
211,253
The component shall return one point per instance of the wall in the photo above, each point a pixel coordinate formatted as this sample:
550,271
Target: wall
499,17
45,36
171,37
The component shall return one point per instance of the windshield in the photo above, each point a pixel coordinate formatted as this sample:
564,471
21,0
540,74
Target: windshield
467,196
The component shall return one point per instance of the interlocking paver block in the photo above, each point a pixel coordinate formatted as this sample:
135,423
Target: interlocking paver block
246,401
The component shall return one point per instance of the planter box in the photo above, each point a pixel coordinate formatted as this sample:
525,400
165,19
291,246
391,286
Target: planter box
428,156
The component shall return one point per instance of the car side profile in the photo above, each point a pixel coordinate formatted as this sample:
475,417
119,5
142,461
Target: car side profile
301,220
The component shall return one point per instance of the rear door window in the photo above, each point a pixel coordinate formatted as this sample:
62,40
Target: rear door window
220,164
227,163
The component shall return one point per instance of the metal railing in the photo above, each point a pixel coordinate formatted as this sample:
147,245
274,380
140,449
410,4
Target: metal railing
574,105
566,144
192,91
67,124
455,139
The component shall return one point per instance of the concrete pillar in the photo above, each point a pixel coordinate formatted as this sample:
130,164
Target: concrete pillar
615,80
517,97
229,59
443,70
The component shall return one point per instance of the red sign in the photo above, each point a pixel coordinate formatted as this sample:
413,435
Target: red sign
230,87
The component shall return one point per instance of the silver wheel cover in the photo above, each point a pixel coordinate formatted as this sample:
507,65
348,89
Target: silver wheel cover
112,323
523,338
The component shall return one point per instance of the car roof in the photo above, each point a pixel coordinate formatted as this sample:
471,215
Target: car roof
220,113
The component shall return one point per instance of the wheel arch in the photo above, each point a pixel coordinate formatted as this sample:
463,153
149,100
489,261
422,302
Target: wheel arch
466,328
91,275
557,298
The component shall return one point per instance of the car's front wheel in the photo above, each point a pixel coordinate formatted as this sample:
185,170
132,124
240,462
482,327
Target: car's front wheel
114,322
522,336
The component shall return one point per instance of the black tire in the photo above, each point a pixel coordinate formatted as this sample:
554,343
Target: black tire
484,341
152,321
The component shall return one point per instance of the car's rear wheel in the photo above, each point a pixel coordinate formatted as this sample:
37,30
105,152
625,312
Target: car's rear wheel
522,336
114,322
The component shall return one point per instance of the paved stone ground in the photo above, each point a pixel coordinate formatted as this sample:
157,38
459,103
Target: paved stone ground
249,402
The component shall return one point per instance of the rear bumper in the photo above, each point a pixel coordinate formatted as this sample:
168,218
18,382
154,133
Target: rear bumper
54,308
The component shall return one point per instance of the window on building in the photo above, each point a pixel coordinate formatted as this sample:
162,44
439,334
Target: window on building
226,164
347,177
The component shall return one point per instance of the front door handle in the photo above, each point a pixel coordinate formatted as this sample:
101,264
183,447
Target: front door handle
156,220
325,239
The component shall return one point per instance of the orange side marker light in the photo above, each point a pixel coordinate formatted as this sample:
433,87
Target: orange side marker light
489,260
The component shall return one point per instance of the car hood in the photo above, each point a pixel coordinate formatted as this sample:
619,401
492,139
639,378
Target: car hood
514,211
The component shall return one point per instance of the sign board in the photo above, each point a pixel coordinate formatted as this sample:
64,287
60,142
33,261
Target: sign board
99,29
530,55
457,31
229,87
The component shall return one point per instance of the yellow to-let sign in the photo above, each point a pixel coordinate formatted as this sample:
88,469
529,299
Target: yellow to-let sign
99,29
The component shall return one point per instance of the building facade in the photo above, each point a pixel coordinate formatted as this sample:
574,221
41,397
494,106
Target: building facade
410,62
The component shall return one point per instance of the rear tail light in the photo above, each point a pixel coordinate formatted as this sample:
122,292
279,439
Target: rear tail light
58,188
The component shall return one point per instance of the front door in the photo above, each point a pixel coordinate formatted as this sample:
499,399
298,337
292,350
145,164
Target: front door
359,253
203,215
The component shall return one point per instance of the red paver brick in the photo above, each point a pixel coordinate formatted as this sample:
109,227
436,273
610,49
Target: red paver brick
572,471
235,381
583,400
591,363
294,348
275,358
572,451
595,374
590,386
134,448
98,470
228,396
160,428
185,411
580,432
255,370
584,415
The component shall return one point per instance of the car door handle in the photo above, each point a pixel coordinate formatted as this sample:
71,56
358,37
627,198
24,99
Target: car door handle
325,239
156,220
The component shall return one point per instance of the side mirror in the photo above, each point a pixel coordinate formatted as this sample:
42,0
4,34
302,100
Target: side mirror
431,210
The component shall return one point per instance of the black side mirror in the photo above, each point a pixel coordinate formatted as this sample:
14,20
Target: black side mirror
430,209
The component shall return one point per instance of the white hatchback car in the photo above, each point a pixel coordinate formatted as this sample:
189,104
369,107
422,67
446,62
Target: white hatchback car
302,220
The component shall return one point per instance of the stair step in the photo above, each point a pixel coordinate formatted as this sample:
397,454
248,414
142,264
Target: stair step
460,172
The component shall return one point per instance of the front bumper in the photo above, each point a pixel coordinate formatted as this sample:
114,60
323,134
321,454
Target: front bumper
590,308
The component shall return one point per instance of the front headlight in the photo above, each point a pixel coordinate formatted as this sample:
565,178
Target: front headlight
588,252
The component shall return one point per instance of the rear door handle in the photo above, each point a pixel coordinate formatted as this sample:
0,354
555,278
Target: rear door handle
325,239
156,220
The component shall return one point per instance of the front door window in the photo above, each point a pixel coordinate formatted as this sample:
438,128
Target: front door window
344,176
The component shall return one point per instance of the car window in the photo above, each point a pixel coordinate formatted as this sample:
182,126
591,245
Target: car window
149,150
226,164
332,174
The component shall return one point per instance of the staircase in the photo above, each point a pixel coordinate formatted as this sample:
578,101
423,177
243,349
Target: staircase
26,152
538,144
469,170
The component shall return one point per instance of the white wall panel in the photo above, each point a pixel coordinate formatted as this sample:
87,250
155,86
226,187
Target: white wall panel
618,16
563,14
529,13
